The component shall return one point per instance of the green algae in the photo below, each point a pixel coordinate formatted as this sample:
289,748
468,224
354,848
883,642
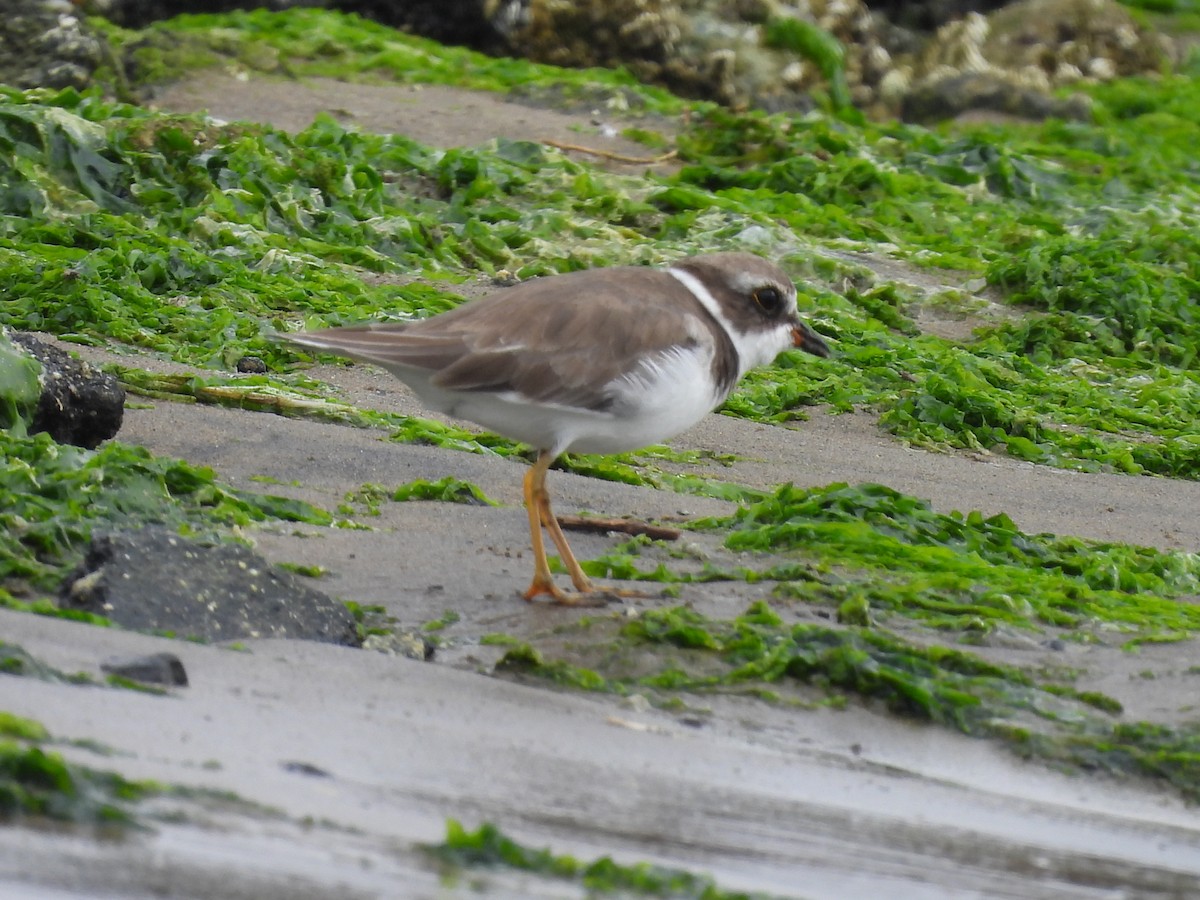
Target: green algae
447,618
204,242
867,549
445,490
817,45
36,784
1066,388
488,847
877,527
16,660
18,727
19,389
308,570
323,43
39,785
133,684
371,619
673,650
1103,379
869,554
52,496
296,396
368,498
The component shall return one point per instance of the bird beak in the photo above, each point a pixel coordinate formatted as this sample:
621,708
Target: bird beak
808,340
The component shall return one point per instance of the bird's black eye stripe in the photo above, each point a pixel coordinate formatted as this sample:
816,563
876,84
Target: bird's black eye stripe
769,300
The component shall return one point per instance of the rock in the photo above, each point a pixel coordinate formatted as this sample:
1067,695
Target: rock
1067,39
79,404
155,580
251,365
775,55
43,44
299,767
598,32
1010,61
155,668
408,644
985,92
927,15
469,23
138,13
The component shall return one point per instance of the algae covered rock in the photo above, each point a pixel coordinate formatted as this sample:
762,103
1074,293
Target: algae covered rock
78,404
44,44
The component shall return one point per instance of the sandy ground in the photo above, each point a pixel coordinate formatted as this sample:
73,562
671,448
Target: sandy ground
795,803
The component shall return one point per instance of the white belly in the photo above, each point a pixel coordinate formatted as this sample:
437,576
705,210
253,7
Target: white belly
661,399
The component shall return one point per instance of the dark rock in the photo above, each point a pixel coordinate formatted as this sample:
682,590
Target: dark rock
251,365
737,52
463,22
155,580
43,44
79,404
1073,39
986,92
927,15
155,668
305,768
137,13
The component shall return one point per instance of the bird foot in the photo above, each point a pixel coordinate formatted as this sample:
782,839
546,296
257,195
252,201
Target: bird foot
594,596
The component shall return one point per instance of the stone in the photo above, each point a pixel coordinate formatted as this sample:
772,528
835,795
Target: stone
986,92
79,404
154,668
44,44
152,579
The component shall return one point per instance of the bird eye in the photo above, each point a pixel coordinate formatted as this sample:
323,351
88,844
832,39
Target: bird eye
769,300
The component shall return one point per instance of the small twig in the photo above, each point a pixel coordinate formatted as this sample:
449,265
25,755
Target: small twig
625,526
608,154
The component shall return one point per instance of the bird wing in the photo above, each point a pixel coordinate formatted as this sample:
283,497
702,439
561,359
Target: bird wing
549,340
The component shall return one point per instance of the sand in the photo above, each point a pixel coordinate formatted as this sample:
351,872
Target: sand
796,803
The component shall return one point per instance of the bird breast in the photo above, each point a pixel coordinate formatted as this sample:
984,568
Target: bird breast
663,395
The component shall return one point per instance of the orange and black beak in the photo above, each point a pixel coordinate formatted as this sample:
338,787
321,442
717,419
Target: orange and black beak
809,341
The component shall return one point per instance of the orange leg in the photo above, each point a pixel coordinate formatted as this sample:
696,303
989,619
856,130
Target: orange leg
582,583
535,491
537,504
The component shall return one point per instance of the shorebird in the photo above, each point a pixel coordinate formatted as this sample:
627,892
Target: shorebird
598,361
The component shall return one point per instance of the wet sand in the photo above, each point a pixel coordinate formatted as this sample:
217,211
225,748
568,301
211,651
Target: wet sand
792,802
